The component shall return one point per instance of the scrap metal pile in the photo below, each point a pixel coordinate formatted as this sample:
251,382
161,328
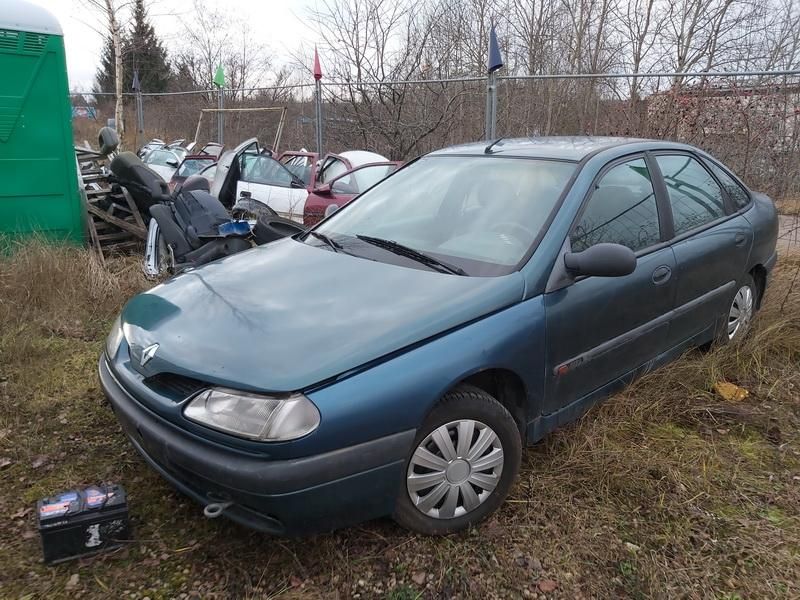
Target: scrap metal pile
184,207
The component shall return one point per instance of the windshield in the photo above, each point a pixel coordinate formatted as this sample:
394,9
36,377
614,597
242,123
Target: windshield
479,213
192,166
160,158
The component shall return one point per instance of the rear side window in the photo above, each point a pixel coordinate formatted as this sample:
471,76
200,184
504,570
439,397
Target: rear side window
738,195
621,210
694,196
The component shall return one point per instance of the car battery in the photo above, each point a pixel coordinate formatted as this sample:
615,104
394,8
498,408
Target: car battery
81,522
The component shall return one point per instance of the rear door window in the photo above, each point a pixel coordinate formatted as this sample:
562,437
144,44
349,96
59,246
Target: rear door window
621,210
736,192
696,199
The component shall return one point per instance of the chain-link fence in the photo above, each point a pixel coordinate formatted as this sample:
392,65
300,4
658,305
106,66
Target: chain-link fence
748,120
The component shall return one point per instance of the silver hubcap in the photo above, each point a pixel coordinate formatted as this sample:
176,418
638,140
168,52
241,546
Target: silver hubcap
455,469
741,312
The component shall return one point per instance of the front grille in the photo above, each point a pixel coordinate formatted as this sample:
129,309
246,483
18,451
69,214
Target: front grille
175,387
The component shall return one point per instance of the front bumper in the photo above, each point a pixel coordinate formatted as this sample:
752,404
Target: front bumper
283,497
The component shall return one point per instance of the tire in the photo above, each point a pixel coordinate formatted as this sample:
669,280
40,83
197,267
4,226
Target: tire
435,497
741,310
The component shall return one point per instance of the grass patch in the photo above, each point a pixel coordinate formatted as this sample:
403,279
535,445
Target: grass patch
664,491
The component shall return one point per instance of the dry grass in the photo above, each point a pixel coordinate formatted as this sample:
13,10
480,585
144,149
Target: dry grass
788,206
664,491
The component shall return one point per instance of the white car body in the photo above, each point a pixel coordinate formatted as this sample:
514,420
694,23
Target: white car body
289,200
157,161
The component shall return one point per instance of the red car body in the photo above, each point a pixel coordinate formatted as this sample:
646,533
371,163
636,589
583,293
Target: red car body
336,179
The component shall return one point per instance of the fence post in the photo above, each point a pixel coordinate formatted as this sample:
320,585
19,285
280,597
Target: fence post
219,81
140,111
220,115
491,107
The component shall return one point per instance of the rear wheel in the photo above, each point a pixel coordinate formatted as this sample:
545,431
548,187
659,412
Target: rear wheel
741,311
463,462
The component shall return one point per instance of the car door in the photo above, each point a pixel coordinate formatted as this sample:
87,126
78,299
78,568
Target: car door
711,245
600,328
269,182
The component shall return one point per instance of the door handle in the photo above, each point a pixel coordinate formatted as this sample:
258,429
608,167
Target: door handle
740,239
662,274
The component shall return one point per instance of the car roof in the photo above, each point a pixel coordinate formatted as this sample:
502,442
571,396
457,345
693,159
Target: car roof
362,157
555,147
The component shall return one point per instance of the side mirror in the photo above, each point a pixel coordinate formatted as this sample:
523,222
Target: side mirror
330,209
601,260
323,189
108,139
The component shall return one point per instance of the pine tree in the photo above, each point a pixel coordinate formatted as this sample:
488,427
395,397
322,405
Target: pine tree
142,50
145,52
104,78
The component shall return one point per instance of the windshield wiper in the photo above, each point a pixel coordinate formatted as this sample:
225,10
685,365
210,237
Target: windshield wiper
335,246
416,255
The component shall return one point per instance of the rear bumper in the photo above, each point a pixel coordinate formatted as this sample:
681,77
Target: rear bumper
283,497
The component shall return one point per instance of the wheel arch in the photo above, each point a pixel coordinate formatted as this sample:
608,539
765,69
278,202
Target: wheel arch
759,275
505,386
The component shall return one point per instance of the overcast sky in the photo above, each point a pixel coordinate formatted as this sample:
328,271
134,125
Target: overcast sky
280,21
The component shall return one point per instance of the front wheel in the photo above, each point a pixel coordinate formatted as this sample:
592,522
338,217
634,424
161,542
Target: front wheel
463,462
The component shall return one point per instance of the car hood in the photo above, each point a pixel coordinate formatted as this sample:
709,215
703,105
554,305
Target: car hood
287,315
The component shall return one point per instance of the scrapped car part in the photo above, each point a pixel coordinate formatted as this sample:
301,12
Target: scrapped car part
412,322
343,188
297,186
191,165
163,161
145,186
151,145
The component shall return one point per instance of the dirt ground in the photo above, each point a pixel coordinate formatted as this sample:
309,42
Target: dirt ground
667,490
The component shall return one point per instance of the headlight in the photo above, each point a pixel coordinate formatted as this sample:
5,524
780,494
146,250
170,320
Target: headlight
252,416
114,338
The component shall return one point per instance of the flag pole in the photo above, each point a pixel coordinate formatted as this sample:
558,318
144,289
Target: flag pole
219,81
318,100
494,63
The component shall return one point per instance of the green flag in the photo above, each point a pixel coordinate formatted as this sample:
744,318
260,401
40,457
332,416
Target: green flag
219,77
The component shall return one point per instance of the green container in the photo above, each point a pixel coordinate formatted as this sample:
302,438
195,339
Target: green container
39,189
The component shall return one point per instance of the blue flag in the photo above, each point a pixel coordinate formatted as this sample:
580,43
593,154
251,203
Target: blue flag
136,86
495,59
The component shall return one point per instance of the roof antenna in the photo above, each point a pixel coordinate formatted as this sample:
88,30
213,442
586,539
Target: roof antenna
488,149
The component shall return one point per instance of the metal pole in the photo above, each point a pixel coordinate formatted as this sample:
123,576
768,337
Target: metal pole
491,107
318,110
220,115
140,111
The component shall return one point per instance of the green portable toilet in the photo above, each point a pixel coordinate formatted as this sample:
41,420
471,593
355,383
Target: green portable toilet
39,190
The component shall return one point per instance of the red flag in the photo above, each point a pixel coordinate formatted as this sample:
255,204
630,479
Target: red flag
317,68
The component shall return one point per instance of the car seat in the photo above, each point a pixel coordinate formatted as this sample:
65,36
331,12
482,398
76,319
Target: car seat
145,186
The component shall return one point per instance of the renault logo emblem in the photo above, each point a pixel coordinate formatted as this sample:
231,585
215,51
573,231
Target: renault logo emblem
148,353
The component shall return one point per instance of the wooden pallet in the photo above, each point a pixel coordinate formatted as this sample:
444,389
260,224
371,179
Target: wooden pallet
114,221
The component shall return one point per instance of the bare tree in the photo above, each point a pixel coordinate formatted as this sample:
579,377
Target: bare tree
112,13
